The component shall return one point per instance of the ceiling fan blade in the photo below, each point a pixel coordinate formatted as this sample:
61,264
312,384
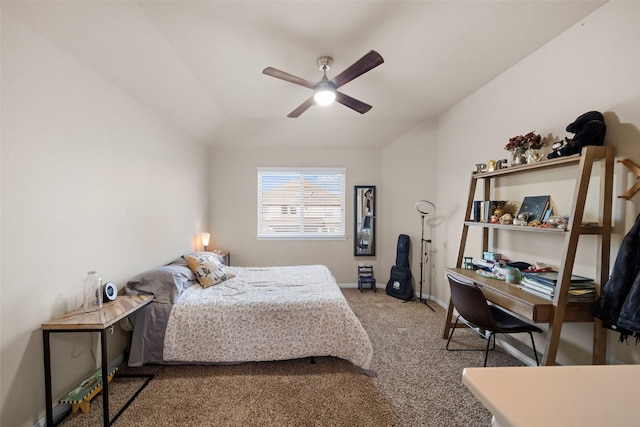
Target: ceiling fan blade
301,109
270,71
361,66
352,103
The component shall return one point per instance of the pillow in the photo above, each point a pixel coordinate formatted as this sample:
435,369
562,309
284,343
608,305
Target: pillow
166,283
208,268
214,255
178,261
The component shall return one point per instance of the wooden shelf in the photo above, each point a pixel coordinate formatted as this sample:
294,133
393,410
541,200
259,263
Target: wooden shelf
535,308
584,229
598,153
525,229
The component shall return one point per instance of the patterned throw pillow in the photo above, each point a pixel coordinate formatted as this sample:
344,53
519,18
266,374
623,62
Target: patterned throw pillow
207,268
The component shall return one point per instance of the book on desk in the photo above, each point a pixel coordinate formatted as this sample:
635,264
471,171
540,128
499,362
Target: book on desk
543,284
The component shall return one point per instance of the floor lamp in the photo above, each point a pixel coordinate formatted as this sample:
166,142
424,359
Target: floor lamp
424,208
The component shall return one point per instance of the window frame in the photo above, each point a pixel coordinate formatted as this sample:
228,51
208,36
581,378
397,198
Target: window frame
293,209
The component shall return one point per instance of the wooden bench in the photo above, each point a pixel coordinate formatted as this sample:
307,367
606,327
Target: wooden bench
80,397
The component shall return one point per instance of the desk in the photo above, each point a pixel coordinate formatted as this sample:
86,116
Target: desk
95,321
562,396
523,303
528,306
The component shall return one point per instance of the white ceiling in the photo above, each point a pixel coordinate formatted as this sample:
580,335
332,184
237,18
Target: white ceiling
199,64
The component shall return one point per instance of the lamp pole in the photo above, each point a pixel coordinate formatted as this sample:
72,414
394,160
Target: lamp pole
425,208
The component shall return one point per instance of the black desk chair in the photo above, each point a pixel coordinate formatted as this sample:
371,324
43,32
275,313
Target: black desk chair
475,312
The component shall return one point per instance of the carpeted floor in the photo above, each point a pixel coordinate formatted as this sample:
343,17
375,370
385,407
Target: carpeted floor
419,377
413,381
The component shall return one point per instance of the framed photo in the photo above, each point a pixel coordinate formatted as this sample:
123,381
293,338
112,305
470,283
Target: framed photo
535,207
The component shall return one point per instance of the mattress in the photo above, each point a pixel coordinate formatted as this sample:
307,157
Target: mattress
261,314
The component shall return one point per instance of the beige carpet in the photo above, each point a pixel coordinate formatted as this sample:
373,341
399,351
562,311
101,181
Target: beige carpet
414,381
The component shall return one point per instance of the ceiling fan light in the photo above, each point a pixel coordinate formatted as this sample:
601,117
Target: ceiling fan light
324,96
324,92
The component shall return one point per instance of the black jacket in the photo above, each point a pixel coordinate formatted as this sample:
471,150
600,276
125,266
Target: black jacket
619,304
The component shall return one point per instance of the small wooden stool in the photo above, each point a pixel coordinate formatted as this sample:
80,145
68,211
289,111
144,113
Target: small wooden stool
80,397
365,275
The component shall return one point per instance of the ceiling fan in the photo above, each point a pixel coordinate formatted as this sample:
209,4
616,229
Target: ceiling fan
325,91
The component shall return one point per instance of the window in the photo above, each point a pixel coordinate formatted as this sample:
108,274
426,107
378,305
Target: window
301,203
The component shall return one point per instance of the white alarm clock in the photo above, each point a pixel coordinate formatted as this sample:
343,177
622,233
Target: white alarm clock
110,292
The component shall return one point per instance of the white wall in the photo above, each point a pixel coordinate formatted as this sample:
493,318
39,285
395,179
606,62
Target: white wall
91,179
234,216
409,175
403,173
592,66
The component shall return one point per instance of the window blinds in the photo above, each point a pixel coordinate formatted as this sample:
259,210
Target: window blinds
301,203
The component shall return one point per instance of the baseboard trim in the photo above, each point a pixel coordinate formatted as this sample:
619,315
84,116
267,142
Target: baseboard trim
349,285
517,349
61,410
383,286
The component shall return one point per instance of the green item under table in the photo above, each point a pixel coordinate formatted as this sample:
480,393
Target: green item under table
80,397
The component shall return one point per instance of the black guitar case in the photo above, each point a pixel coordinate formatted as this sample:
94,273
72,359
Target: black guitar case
399,285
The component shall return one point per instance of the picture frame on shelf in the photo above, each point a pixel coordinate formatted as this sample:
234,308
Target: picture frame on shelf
535,207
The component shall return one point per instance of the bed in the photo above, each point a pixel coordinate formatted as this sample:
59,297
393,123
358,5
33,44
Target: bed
253,314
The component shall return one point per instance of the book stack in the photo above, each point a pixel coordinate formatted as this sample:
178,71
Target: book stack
483,209
543,284
485,265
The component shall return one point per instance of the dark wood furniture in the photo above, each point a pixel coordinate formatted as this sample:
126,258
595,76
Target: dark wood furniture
530,306
95,321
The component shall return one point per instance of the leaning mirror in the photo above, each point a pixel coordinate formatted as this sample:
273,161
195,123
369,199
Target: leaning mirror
364,207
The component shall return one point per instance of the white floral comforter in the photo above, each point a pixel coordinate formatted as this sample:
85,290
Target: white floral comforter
270,313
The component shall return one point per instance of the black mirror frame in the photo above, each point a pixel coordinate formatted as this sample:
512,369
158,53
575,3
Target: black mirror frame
364,222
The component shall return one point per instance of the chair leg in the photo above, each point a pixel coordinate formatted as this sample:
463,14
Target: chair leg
535,353
486,353
451,334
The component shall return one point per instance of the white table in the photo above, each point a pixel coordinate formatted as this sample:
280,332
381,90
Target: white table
593,395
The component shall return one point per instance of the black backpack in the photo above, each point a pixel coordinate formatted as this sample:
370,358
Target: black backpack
399,285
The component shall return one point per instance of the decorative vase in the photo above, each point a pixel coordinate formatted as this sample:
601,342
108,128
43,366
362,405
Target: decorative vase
518,157
533,156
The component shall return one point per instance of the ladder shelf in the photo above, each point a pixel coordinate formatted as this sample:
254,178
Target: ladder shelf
557,312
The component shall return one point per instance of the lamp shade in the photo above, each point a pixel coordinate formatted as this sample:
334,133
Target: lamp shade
324,93
205,238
